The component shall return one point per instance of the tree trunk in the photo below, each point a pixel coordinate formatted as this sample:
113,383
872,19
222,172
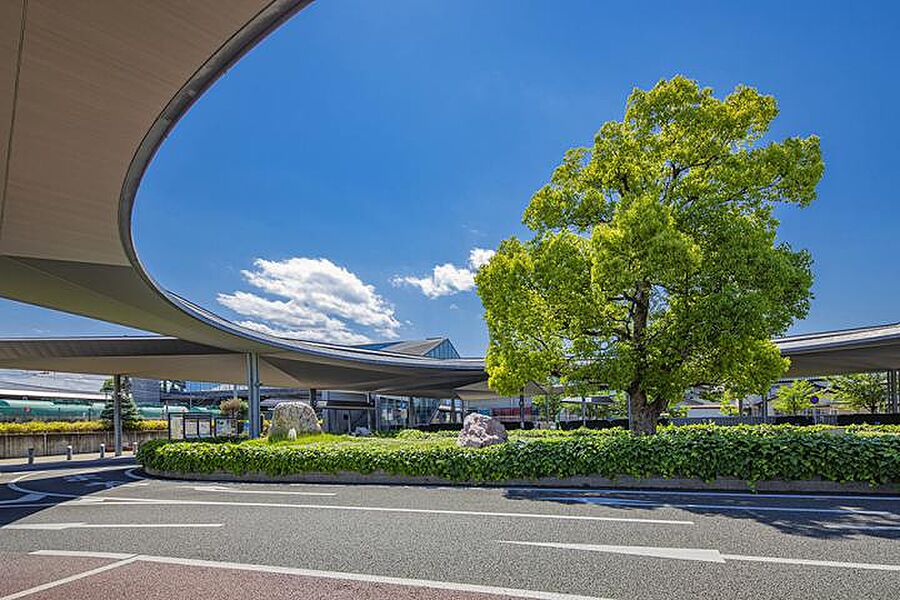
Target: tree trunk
644,415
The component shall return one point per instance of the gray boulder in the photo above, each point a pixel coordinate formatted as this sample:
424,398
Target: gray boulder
296,416
480,430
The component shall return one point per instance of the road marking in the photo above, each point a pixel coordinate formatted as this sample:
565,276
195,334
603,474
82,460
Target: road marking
131,474
702,554
844,510
227,490
711,494
114,501
82,554
862,527
361,577
64,526
46,586
25,498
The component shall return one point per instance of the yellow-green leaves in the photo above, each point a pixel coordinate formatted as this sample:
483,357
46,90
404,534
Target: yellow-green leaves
641,244
794,398
654,264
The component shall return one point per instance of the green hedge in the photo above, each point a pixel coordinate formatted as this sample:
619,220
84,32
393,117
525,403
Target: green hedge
78,426
750,453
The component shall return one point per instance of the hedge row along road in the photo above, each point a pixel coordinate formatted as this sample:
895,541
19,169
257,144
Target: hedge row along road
750,453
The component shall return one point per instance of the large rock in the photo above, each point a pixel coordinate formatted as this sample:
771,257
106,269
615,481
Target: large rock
480,430
298,416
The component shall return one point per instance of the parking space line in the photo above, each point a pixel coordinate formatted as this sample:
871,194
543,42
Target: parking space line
52,584
340,576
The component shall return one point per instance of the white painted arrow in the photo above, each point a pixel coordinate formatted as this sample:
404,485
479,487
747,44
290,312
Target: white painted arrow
701,554
676,553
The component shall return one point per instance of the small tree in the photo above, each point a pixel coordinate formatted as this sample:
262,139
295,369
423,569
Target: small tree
794,398
234,408
129,410
547,405
861,391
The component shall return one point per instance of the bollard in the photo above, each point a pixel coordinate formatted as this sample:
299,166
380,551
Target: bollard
69,452
31,456
102,450
134,447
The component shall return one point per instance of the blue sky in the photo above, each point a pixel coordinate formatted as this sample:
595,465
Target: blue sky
317,185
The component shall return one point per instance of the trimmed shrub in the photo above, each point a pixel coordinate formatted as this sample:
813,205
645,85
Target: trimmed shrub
77,426
751,453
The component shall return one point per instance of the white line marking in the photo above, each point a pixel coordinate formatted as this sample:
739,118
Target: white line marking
82,554
113,501
63,526
701,554
227,490
706,555
130,473
25,498
851,526
361,577
604,491
71,578
844,510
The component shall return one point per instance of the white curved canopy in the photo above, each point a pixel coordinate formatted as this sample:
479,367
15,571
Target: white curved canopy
89,91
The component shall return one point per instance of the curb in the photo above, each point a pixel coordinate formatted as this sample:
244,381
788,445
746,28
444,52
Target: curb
587,482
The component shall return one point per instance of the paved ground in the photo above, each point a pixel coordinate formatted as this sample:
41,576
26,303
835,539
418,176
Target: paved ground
101,531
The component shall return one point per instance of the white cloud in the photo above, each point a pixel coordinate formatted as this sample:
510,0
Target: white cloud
314,299
449,279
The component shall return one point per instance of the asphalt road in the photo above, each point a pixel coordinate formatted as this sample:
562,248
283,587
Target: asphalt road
105,532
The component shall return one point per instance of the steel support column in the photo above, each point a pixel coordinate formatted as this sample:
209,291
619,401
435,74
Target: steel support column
314,399
253,393
376,407
117,414
522,411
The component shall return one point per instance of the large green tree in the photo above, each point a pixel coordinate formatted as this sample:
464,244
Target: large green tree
653,263
860,391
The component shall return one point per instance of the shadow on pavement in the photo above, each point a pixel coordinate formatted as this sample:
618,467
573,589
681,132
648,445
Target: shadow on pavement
829,517
21,497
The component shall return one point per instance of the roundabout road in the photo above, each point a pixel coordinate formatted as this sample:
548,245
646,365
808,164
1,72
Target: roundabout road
106,532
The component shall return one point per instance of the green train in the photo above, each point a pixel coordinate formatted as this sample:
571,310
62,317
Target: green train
49,410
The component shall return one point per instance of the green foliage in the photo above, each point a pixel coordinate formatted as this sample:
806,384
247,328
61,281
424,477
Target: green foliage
412,434
794,398
75,426
131,417
751,453
547,406
654,263
235,408
861,391
677,411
